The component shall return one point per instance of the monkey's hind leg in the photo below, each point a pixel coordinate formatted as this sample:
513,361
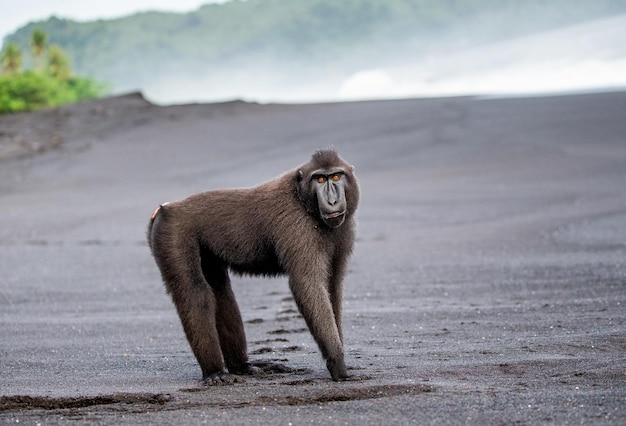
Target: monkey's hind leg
195,303
228,322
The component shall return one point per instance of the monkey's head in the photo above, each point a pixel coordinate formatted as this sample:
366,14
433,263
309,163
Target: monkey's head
328,188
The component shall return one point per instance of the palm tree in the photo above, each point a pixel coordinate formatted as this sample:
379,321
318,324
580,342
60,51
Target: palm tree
38,43
11,59
58,63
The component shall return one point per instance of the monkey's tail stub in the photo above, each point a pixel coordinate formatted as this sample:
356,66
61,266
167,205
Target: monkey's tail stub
151,223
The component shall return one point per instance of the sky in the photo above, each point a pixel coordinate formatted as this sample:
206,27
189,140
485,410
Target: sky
15,14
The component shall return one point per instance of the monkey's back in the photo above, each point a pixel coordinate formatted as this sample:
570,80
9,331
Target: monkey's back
235,224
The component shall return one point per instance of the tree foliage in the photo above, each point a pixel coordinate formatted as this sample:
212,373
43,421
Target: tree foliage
38,43
58,64
11,59
39,88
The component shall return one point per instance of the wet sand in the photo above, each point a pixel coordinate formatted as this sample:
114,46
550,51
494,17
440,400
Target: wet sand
488,283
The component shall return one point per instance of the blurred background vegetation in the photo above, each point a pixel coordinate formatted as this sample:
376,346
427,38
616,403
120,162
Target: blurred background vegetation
49,82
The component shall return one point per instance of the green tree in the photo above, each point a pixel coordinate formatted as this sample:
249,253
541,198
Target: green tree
34,89
38,42
31,90
11,59
58,63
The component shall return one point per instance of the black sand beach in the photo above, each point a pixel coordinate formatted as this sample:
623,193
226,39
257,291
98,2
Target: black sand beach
488,284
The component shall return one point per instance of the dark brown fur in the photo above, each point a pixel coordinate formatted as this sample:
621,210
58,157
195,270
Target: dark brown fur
271,229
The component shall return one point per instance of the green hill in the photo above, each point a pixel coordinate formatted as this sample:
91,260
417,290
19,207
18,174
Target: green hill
300,38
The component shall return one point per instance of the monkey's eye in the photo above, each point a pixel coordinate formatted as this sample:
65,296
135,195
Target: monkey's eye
321,179
336,178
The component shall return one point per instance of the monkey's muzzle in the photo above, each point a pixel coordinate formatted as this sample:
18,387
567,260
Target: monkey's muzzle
334,219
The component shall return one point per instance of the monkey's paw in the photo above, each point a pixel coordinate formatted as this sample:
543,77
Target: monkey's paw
221,378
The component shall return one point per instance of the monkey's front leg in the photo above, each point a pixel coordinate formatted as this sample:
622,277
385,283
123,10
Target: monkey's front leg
314,304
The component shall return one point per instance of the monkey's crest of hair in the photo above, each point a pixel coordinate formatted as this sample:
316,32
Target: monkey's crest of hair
325,158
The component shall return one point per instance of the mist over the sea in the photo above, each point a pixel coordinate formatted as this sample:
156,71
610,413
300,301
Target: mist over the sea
585,57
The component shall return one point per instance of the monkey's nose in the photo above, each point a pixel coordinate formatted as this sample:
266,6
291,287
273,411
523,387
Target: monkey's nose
331,196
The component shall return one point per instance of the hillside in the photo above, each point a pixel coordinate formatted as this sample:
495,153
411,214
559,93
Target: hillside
300,40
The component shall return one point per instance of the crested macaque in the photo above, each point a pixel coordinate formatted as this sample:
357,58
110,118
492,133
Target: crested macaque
300,224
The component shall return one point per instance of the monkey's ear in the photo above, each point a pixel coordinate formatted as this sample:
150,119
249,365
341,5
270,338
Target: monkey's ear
300,175
352,168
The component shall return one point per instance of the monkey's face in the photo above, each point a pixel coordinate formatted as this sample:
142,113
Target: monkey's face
329,187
